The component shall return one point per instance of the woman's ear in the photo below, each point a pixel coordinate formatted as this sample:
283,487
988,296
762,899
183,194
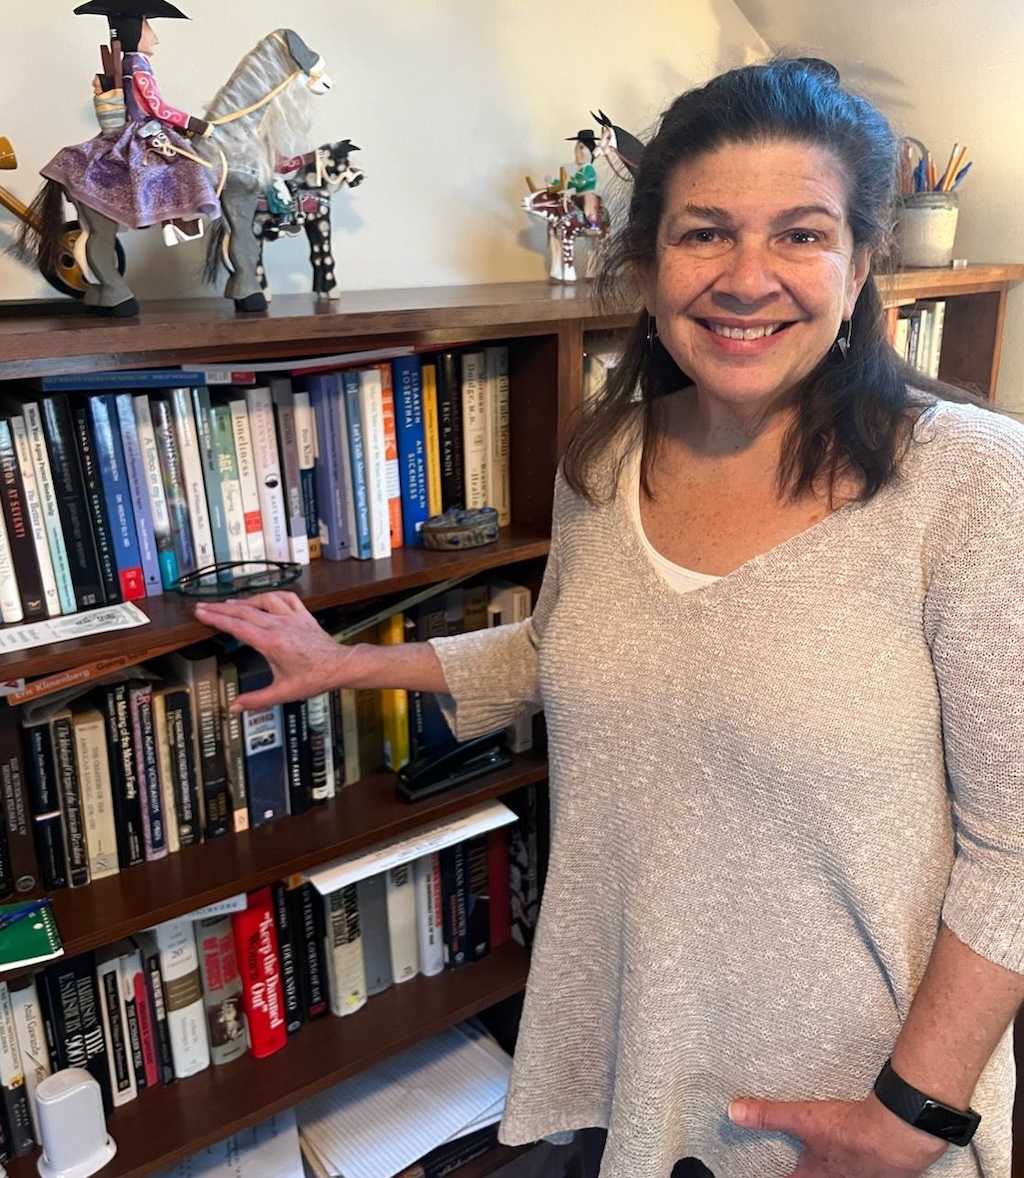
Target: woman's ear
860,268
644,278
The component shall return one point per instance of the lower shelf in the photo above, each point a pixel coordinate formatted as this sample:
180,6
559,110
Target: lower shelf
165,1125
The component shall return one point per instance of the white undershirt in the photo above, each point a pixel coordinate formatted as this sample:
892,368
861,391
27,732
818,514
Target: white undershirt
680,579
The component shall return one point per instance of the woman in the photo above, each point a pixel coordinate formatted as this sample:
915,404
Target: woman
778,648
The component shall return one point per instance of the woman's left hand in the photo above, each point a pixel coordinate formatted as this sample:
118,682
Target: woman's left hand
843,1139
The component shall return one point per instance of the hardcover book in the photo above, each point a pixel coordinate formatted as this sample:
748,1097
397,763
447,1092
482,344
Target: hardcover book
222,988
13,1093
333,501
28,1023
93,766
429,914
34,506
343,950
18,527
183,996
263,740
19,872
371,897
262,994
96,504
123,775
115,1026
153,468
412,452
138,490
287,957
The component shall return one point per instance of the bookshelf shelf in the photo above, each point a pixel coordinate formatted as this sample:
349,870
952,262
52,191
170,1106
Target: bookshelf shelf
165,1125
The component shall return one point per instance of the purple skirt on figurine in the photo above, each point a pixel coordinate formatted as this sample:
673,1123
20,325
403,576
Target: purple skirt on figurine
122,176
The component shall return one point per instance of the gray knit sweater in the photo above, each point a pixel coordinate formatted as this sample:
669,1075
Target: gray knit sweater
765,795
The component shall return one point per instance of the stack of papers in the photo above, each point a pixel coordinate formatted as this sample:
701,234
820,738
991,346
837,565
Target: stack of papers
381,1121
268,1150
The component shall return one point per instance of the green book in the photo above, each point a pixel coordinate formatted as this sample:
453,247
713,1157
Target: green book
30,939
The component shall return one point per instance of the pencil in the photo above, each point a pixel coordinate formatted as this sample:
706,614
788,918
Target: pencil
949,171
955,166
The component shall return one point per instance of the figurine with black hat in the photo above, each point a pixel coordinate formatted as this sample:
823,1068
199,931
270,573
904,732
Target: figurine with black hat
584,181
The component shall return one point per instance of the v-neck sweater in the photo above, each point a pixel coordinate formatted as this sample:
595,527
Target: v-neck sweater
766,794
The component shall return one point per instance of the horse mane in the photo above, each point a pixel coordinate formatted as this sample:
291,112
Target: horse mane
276,131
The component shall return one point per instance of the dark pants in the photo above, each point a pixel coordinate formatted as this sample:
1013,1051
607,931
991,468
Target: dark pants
593,1146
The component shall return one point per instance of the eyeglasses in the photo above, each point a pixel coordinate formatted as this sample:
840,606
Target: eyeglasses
230,578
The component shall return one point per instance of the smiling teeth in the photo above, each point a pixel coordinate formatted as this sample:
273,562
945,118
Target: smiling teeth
744,332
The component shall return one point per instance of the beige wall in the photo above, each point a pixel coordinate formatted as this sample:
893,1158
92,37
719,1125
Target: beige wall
943,70
452,102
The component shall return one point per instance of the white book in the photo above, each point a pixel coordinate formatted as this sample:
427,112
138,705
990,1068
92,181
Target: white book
291,477
248,480
343,950
10,598
936,310
305,438
31,1032
120,1065
901,337
191,459
401,901
429,914
93,764
17,1118
183,997
475,442
499,467
51,512
155,494
260,405
321,738
230,485
371,415
165,765
23,450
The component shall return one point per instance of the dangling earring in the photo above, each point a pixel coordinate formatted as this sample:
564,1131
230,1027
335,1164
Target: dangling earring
652,330
842,344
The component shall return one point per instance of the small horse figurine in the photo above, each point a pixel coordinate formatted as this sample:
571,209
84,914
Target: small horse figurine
260,116
298,200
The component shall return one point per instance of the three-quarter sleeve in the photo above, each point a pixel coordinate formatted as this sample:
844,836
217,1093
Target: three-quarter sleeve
149,98
492,674
974,618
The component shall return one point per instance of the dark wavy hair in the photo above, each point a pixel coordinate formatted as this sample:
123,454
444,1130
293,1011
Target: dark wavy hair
852,414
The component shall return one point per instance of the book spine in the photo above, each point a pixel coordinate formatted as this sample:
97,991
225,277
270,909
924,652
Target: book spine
96,504
475,443
412,453
394,702
401,903
478,897
211,474
343,945
115,1028
336,747
498,401
321,751
230,484
51,507
10,599
155,986
449,419
66,773
371,898
288,447
93,765
455,893
34,504
84,967
234,750
431,438
248,479
308,922
138,491
298,758
371,417
127,965
305,437
110,461
183,997
429,914
209,750
165,770
184,549
181,749
21,874
35,1055
263,739
44,802
355,451
140,697
64,1052
190,455
17,1120
20,540
147,1022
498,887
393,481
264,439
332,504
262,995
287,957
222,988
155,496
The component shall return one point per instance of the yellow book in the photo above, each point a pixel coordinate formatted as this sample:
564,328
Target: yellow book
433,438
394,702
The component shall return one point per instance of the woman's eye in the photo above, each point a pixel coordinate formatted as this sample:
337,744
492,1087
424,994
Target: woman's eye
803,236
703,236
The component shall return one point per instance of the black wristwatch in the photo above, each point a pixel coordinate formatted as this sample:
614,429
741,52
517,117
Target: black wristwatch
932,1116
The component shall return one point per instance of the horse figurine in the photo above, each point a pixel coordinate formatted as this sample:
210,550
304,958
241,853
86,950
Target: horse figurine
298,201
260,116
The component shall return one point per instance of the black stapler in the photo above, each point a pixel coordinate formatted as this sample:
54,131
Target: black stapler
451,765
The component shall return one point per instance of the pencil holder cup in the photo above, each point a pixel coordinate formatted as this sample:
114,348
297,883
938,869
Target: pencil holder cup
925,228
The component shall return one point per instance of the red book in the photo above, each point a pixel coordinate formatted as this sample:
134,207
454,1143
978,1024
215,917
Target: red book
391,455
499,886
258,964
147,1029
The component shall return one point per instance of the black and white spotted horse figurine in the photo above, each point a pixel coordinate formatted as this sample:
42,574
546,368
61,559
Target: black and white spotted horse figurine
300,201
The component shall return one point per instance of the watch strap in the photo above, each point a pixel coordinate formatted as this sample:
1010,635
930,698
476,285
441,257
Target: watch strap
924,1112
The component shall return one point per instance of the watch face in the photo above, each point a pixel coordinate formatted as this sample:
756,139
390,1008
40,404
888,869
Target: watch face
946,1123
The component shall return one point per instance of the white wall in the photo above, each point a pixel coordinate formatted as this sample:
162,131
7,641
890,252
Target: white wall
942,70
451,101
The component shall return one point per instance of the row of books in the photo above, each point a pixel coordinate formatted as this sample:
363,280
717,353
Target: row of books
246,975
100,779
111,496
915,331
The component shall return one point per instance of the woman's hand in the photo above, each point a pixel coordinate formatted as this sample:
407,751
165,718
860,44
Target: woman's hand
304,659
843,1139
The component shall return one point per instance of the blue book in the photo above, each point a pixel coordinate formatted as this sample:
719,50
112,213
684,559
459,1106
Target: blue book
412,446
266,773
357,459
174,488
114,481
211,474
136,471
329,467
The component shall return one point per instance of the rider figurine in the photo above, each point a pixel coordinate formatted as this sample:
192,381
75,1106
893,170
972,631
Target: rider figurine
144,171
584,181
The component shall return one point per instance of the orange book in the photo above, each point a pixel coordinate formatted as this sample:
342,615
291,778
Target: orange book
391,456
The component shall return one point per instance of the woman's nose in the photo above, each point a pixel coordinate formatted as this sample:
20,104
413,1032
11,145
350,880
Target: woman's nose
749,273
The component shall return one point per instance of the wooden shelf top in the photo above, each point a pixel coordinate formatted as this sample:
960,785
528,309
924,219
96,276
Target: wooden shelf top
943,281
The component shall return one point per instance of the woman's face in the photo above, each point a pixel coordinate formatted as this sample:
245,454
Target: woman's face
755,268
149,40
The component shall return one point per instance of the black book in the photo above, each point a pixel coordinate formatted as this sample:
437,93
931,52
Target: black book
308,931
96,501
298,756
147,764
478,908
172,708
124,778
66,773
454,900
446,1158
449,424
19,529
19,872
287,958
155,987
69,1002
44,802
69,490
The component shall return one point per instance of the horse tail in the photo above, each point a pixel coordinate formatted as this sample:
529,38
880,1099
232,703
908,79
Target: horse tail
40,237
214,252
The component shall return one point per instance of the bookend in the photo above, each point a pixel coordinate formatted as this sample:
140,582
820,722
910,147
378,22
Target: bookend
452,765
71,1125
